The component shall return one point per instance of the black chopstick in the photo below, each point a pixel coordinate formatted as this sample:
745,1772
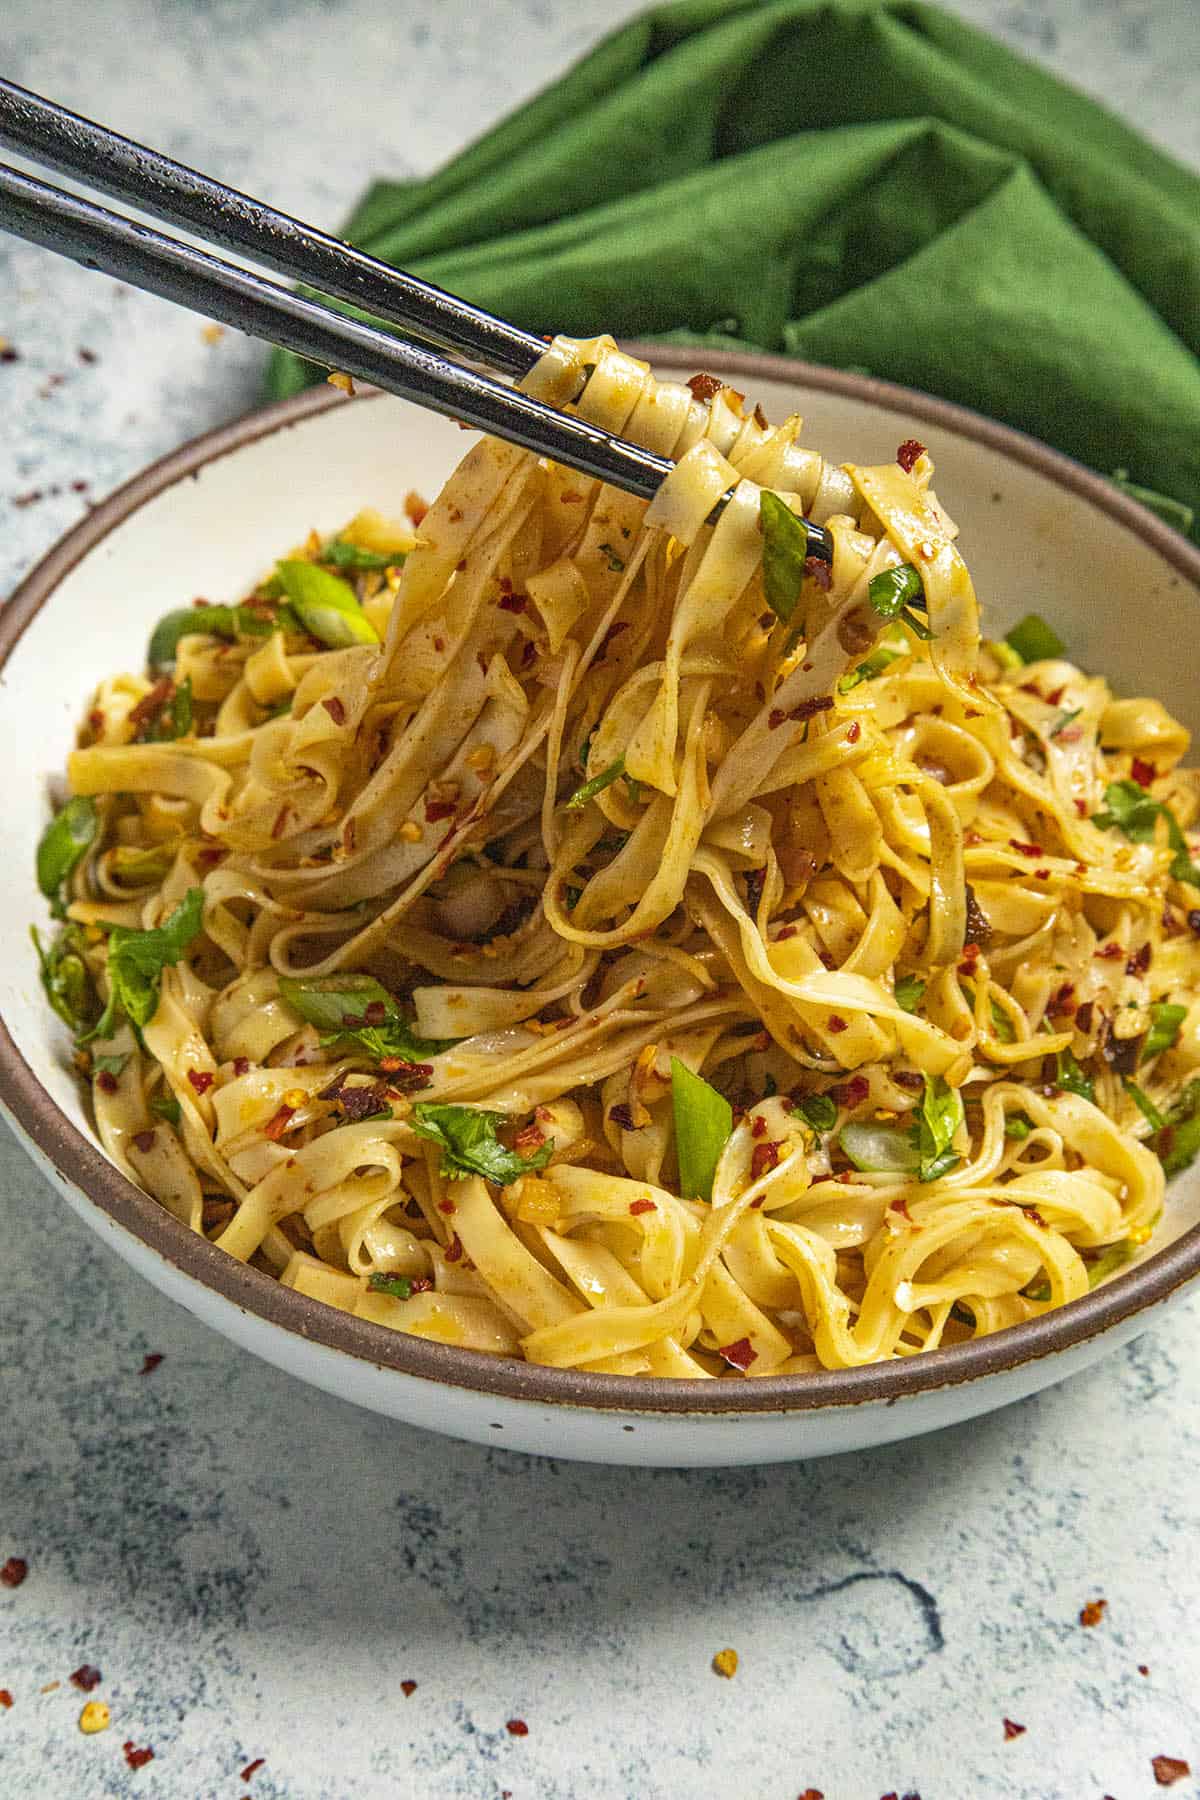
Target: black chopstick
92,154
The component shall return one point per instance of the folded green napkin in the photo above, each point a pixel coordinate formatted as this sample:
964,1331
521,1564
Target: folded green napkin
867,183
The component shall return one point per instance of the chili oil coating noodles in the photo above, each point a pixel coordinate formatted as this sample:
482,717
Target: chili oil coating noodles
583,932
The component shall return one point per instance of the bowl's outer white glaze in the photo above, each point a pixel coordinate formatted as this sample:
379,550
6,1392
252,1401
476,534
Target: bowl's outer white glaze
1032,545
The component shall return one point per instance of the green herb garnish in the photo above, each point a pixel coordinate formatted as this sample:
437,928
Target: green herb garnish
1178,1143
326,606
467,1135
136,960
1002,1025
174,717
356,1010
1034,640
1115,1256
881,658
597,784
1063,720
1017,1127
1166,1019
910,991
785,551
818,1110
938,1119
703,1122
616,563
108,1065
167,1107
1129,808
65,841
141,864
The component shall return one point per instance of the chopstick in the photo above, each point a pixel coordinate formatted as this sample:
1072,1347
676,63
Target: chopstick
76,227
99,158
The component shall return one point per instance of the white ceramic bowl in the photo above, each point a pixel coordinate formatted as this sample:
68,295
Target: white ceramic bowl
1039,534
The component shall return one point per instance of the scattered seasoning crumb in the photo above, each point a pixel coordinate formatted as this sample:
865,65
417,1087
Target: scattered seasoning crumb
14,1571
516,1728
151,1362
6,1699
86,355
339,380
1143,1668
408,1689
86,1677
725,1663
50,1687
1169,1769
811,1794
137,1759
1093,1612
94,1717
250,1767
212,334
9,353
1012,1729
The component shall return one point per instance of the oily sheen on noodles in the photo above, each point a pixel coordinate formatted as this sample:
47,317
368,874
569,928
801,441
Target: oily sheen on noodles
583,931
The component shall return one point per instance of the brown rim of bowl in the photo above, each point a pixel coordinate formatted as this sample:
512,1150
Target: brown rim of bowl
79,1160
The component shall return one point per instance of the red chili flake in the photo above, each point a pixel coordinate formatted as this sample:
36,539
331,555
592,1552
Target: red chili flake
200,1079
1056,694
835,1022
1024,849
741,1353
335,709
151,704
406,1078
1109,953
818,570
642,1206
421,1284
106,1081
250,1767
447,1207
900,1206
852,1092
210,855
1142,960
785,932
13,1572
1064,999
1093,1612
151,1362
1041,874
6,1699
137,1759
909,1078
86,1677
408,1689
705,387
970,958
811,1794
1169,1769
908,453
438,809
1071,734
530,1137
454,1249
241,1065
1083,1016
765,1157
278,1123
758,1128
777,718
622,1115
144,1141
96,720
375,1013
1012,1729
513,603
808,709
516,1728
1143,1668
277,828
1081,808
1143,772
10,354
415,507
854,733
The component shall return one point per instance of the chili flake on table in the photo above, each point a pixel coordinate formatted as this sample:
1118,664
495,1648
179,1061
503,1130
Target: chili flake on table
250,1767
86,1677
1013,1730
13,1572
1093,1612
408,1689
6,1699
137,1759
1169,1769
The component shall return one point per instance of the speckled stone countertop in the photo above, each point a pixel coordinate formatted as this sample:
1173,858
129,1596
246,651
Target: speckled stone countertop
257,1569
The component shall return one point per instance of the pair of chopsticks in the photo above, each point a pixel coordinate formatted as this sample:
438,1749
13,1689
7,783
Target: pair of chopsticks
77,228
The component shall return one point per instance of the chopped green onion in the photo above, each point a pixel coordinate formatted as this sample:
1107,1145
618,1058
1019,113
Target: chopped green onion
1072,1079
64,976
1164,1030
65,841
1063,720
326,606
881,658
703,1122
1178,1142
894,589
1017,1127
1034,640
340,553
1144,1104
597,784
880,1149
1115,1256
215,621
398,1286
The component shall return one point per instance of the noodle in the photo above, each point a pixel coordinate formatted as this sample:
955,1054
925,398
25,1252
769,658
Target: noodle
549,934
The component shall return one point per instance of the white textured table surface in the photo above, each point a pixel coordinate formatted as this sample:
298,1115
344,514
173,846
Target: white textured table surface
256,1568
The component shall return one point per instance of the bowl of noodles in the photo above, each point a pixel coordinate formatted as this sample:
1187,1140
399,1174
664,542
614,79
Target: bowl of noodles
601,979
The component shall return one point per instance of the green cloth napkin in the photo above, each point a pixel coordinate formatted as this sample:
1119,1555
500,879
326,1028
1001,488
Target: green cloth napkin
867,183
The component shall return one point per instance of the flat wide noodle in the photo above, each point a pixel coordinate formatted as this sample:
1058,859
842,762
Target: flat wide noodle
599,810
